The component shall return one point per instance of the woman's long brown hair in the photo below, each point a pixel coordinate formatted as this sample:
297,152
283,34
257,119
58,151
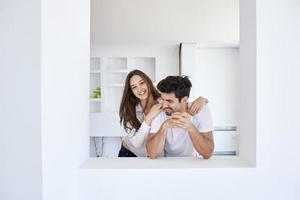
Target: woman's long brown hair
129,101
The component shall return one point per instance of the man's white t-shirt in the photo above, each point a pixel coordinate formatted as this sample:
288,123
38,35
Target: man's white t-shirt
178,142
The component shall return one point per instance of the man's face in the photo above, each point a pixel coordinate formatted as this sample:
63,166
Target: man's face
170,103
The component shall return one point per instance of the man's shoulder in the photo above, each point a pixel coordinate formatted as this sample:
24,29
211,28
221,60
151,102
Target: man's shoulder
203,120
162,116
203,114
159,119
157,122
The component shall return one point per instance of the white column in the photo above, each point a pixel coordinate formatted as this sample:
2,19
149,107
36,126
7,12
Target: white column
65,95
20,102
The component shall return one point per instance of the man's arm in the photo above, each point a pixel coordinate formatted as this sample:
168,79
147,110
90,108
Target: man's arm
156,141
202,141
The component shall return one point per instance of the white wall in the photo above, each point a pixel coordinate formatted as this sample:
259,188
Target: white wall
20,105
278,80
44,63
155,28
132,22
247,125
65,93
272,44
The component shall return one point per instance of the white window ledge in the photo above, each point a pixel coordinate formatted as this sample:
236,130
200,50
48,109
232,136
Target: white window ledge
165,163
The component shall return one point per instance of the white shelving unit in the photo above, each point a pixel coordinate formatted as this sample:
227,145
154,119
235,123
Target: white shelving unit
109,73
95,81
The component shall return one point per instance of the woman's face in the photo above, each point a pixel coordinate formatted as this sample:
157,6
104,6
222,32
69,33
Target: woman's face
139,87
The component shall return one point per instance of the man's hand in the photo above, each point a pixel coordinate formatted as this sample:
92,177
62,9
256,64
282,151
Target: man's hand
170,123
182,120
203,142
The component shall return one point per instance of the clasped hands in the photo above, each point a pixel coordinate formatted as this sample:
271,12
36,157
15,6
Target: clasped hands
179,120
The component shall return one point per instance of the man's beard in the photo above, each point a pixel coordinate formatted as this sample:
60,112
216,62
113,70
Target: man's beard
168,111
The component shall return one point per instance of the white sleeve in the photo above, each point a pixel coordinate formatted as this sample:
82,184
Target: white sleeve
138,138
156,123
205,122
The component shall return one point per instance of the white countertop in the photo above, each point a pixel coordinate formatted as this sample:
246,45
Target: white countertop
165,163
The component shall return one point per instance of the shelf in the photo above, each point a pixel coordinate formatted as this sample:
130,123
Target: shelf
95,100
95,82
115,78
115,85
117,71
96,71
95,64
116,63
95,106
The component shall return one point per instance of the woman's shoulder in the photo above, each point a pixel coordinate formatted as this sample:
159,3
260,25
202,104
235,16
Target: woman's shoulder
138,108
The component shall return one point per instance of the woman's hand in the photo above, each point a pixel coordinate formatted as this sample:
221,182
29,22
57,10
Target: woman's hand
154,111
197,105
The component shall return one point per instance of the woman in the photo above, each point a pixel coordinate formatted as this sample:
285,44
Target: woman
139,106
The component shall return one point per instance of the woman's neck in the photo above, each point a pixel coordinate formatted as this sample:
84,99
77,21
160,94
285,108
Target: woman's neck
143,103
149,104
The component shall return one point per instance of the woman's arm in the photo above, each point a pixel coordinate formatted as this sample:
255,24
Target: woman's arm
197,105
138,138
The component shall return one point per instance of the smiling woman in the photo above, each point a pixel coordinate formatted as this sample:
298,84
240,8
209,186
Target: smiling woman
138,107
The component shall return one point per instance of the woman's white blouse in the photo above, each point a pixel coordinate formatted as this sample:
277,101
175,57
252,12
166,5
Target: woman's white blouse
136,141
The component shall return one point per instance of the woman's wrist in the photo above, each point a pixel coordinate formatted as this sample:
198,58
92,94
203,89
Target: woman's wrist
147,120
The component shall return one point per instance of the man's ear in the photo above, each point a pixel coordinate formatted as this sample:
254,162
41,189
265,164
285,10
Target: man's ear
185,99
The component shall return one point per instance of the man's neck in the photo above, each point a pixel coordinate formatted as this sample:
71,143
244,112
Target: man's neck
184,107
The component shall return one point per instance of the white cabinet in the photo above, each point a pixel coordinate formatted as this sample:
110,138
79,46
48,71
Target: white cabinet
226,141
215,74
109,74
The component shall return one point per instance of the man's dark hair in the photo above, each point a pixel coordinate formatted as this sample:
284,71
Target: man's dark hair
179,85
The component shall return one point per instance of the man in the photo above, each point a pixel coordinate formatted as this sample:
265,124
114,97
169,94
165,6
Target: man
174,132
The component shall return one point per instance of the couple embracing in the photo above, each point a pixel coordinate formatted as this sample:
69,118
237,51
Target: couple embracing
163,122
